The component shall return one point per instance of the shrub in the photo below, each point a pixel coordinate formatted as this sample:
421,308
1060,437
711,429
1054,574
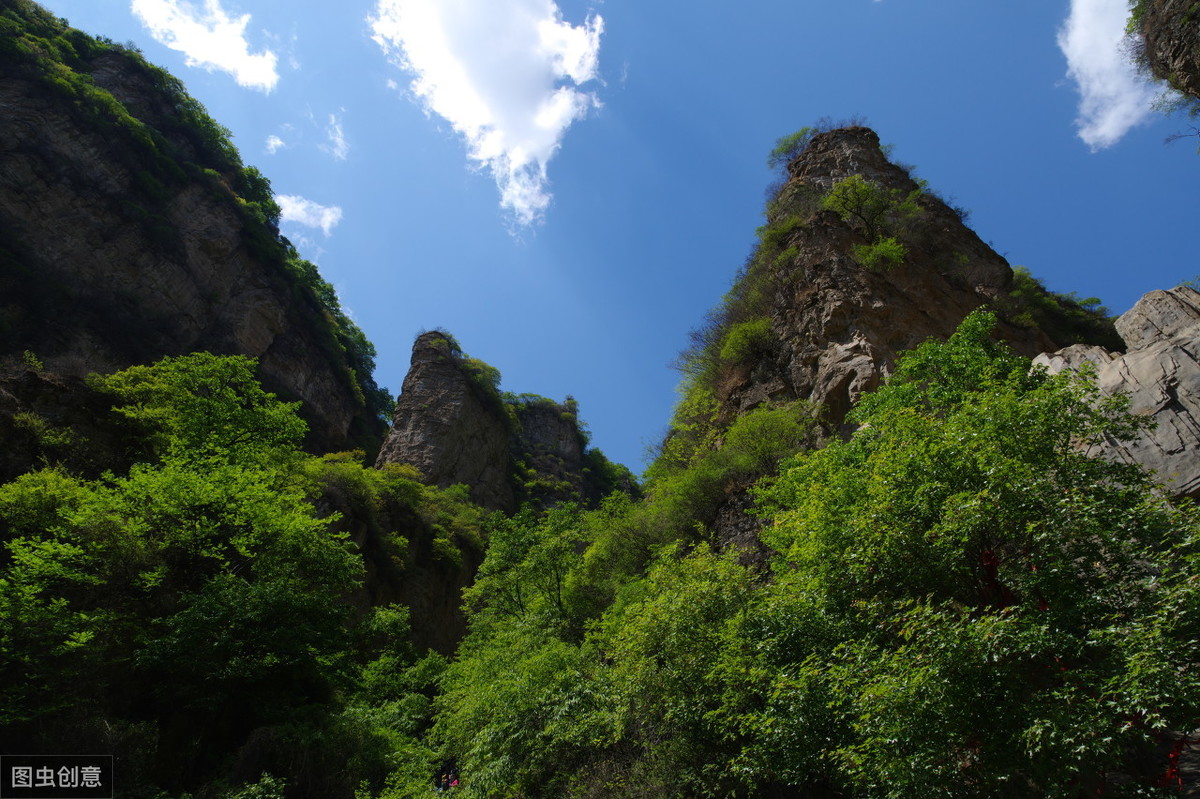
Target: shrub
1066,318
884,253
747,340
870,207
995,598
788,147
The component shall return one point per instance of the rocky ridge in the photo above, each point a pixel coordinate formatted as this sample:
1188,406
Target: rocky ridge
836,326
449,426
1170,31
813,320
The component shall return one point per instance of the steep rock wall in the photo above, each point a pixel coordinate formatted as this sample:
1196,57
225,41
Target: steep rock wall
109,258
839,325
1160,373
452,423
447,426
1171,42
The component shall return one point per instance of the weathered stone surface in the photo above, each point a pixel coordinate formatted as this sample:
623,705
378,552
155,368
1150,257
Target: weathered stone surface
1161,375
1171,36
1075,356
551,428
95,277
447,426
840,325
1158,316
549,443
507,449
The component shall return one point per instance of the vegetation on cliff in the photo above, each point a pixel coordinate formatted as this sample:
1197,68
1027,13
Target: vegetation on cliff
955,600
545,455
1167,48
885,221
202,611
166,140
962,604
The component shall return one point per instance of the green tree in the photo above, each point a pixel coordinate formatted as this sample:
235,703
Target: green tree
528,559
999,594
204,406
866,204
201,591
963,604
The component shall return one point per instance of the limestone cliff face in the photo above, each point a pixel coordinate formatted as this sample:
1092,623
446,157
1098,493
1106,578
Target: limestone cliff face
838,325
453,425
448,426
110,257
1170,32
814,318
1160,372
549,449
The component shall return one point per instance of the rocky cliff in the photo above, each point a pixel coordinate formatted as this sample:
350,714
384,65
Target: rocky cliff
452,423
130,230
1160,373
838,312
1170,33
858,261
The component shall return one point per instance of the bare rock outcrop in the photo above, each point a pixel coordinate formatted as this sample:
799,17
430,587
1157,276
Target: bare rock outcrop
450,427
1160,372
454,425
838,325
1170,32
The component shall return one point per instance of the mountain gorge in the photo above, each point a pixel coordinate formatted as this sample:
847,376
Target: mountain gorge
879,553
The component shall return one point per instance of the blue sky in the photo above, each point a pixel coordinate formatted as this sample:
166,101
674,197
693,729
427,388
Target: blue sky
568,187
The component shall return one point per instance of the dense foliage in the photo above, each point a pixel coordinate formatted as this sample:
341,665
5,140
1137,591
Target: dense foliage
197,615
959,602
962,604
169,142
956,601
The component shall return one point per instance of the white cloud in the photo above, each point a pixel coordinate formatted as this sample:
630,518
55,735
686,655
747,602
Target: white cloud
209,38
506,74
1114,98
337,146
275,144
308,213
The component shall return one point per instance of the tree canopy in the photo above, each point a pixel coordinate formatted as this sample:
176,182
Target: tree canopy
963,603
